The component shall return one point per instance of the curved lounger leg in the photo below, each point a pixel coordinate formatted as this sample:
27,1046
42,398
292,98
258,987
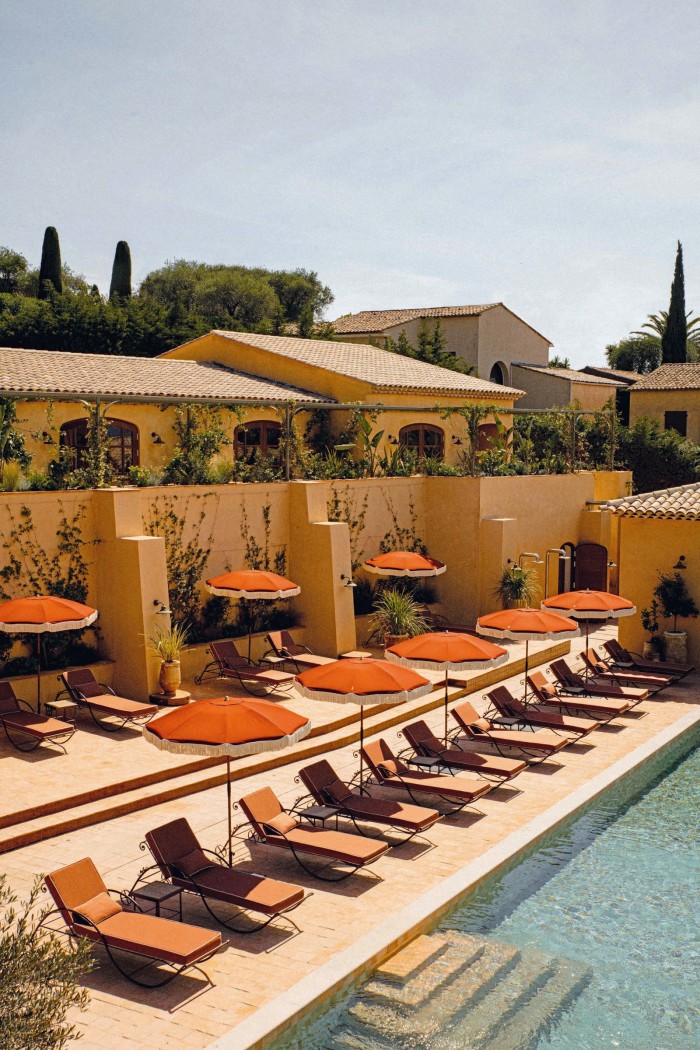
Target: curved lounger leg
316,873
228,923
29,745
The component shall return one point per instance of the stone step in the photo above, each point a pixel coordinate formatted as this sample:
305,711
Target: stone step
524,1028
407,962
346,1038
454,956
480,1022
463,984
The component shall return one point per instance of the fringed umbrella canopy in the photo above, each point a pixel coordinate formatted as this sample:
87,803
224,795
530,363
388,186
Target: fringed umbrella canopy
404,563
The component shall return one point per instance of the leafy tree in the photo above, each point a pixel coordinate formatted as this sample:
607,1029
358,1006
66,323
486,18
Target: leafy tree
658,458
39,975
431,348
298,290
674,339
559,362
636,353
50,268
120,285
13,270
675,599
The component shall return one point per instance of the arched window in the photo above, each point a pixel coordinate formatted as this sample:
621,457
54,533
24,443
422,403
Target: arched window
497,374
122,442
260,435
424,439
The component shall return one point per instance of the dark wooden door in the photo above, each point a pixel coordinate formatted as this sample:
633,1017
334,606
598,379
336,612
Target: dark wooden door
591,567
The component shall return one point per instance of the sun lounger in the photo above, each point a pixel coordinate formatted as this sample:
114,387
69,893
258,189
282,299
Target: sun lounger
509,707
89,911
283,646
328,790
227,662
273,826
27,730
426,744
182,861
539,745
594,707
600,672
103,703
391,771
624,658
575,683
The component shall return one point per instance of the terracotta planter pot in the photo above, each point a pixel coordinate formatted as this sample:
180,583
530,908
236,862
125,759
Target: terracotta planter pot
170,677
649,652
394,639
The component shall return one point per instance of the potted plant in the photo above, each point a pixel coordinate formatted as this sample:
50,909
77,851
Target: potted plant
654,647
168,643
676,603
517,587
397,616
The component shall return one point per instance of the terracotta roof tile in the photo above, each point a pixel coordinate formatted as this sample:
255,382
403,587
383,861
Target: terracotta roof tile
612,373
57,372
672,377
572,374
378,320
682,502
382,369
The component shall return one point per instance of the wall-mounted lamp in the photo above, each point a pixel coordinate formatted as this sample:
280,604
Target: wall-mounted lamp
46,438
157,439
680,564
163,610
457,440
529,554
348,581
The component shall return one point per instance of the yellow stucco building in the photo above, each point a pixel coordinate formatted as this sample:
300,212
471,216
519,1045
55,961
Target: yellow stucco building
671,395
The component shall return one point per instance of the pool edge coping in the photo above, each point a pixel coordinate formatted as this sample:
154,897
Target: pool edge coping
270,1021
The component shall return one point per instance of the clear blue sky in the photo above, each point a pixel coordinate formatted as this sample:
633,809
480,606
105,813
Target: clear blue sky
413,152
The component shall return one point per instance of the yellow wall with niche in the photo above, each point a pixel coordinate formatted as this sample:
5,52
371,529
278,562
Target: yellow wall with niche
655,403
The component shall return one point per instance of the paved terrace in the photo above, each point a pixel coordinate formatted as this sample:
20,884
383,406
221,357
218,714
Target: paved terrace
254,972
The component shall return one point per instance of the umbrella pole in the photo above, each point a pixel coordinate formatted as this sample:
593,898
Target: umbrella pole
250,628
446,673
38,674
228,800
527,645
362,737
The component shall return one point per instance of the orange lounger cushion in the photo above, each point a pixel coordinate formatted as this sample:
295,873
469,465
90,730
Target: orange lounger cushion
542,740
174,942
37,725
335,845
403,815
119,705
450,787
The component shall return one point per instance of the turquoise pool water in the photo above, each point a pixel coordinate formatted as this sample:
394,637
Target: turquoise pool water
617,890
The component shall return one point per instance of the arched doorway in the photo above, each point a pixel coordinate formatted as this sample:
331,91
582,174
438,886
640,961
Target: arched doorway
498,373
122,443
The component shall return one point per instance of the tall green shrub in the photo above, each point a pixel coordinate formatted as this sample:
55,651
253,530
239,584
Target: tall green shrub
120,285
50,269
674,339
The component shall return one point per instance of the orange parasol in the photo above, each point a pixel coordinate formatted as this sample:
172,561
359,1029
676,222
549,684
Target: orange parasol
362,682
404,563
229,726
527,625
252,584
44,614
451,652
589,605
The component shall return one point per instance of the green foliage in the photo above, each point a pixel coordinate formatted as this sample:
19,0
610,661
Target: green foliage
263,615
674,339
200,435
517,586
397,612
402,537
10,476
11,440
120,285
145,477
14,271
169,642
348,507
637,353
674,598
650,618
187,549
559,362
658,458
432,347
96,468
50,278
39,975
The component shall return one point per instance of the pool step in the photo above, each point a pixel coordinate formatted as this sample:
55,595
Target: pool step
428,979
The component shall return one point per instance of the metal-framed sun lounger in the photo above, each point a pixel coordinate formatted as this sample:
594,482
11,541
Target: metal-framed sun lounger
283,646
391,771
88,910
604,710
328,789
273,826
624,658
227,662
425,744
600,672
538,746
509,707
183,862
25,729
574,683
103,703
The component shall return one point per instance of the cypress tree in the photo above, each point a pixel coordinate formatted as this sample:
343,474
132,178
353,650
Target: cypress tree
50,269
120,285
673,341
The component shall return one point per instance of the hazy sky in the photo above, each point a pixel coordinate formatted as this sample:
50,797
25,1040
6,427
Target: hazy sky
413,152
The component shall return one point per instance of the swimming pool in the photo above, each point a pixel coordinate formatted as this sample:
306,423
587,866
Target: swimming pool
614,893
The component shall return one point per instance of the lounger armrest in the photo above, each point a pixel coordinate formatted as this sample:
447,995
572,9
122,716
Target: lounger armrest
24,703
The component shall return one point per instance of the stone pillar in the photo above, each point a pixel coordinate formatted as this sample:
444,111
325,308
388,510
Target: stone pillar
497,543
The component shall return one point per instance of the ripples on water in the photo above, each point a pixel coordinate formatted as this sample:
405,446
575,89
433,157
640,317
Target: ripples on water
618,890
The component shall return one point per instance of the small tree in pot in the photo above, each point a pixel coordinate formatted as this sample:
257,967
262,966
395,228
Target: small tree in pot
676,603
397,616
654,648
517,587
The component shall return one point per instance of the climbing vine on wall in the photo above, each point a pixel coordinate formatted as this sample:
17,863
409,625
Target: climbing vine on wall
402,537
347,507
187,549
265,615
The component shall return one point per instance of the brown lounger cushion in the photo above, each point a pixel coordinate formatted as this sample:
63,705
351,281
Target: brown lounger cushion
194,862
542,740
413,818
98,908
119,705
282,823
338,791
156,938
450,787
37,725
336,845
247,890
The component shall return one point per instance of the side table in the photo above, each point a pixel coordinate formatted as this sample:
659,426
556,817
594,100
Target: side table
320,813
66,710
157,893
181,696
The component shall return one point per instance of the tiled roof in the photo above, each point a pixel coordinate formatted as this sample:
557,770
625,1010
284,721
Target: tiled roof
568,373
382,369
682,502
672,377
624,376
57,372
378,320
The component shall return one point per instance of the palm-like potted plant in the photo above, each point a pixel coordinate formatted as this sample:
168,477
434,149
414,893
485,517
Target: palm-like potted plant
676,603
397,615
168,643
517,587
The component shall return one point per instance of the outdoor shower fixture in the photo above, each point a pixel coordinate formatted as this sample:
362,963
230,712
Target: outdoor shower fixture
164,610
562,556
529,554
347,580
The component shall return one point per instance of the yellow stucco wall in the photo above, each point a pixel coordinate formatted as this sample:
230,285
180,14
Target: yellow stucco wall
503,337
654,403
648,546
551,389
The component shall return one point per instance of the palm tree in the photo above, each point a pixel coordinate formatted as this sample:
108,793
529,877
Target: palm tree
655,326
